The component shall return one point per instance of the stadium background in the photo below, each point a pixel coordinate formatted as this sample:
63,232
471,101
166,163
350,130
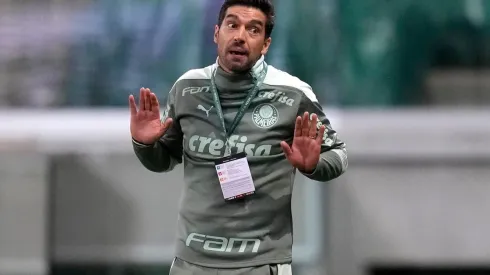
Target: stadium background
406,84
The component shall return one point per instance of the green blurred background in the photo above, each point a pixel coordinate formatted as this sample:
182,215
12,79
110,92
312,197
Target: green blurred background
355,53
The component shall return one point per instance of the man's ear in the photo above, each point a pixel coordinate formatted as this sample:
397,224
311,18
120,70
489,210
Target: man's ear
216,32
266,46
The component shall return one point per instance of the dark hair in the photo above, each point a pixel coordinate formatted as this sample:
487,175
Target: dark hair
264,5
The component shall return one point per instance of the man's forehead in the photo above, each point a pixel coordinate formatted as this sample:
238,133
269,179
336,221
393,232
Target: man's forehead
246,13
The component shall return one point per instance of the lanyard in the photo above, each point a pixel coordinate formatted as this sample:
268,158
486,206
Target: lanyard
241,112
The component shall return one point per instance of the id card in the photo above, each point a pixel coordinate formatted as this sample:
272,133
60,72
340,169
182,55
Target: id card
234,176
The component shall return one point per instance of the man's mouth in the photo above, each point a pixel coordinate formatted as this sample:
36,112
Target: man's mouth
238,52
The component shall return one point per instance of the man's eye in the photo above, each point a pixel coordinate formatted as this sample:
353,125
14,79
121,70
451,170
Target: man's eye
254,30
231,25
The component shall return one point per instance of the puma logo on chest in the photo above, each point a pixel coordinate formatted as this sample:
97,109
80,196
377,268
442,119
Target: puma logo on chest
201,108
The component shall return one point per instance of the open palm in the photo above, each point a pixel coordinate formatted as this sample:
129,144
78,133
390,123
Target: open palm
304,153
146,126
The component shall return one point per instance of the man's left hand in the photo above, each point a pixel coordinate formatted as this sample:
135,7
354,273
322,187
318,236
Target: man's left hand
304,153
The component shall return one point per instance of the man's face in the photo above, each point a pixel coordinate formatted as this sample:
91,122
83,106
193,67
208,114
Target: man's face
241,38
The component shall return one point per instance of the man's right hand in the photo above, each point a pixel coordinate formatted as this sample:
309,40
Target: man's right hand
146,126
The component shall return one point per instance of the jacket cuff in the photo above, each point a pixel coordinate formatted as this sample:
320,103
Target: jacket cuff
140,144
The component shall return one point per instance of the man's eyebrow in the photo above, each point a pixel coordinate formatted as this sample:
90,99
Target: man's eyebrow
256,22
252,22
231,16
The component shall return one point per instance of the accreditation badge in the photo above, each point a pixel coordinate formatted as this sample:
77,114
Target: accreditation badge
234,176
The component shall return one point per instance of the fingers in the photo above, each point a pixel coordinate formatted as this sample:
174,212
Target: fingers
168,123
142,99
305,129
154,102
165,126
297,127
287,150
132,106
148,101
312,131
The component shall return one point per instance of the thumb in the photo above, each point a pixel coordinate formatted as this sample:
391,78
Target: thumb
165,126
287,150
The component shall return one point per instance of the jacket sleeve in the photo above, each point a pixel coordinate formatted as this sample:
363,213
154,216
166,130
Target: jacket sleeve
166,153
333,157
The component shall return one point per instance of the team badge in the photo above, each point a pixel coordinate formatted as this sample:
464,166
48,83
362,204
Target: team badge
265,116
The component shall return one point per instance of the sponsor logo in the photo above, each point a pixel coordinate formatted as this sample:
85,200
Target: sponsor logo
195,90
265,115
201,108
221,244
216,147
277,97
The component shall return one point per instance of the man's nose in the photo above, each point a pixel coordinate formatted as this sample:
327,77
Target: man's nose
240,35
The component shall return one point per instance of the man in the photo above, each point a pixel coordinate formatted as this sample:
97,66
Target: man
242,128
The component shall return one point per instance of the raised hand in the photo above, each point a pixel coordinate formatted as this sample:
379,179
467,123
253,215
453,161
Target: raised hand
146,126
304,154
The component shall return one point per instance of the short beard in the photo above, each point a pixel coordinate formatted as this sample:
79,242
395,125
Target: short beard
239,69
